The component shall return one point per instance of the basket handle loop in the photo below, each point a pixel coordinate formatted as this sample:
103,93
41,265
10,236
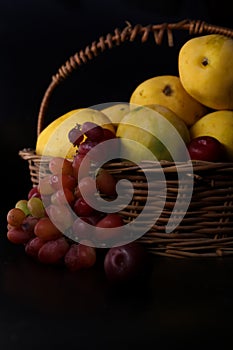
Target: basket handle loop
129,33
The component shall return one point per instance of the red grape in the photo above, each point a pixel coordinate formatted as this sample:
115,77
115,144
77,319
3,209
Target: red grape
18,236
33,246
95,218
62,181
68,181
61,216
96,151
45,229
53,251
45,186
82,231
80,256
86,146
59,165
86,187
111,220
115,146
80,228
34,192
108,134
82,208
81,167
63,196
106,183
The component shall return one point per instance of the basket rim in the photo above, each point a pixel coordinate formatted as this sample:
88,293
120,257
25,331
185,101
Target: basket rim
30,154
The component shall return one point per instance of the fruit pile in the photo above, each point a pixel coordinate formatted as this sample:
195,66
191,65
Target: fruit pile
54,222
202,95
197,103
57,223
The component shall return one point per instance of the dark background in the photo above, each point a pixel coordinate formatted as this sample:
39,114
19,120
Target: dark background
181,303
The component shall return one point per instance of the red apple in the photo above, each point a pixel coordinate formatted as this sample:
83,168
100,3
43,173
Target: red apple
206,148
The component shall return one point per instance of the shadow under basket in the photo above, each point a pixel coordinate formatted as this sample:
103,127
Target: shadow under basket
191,201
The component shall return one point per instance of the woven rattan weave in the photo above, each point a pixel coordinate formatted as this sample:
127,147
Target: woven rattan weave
206,229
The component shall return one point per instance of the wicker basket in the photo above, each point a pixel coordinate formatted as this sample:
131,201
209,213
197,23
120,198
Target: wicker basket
206,229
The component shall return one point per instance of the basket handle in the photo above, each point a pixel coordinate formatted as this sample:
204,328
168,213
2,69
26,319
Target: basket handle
129,33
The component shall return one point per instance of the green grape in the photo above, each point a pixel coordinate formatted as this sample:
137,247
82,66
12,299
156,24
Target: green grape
23,205
36,207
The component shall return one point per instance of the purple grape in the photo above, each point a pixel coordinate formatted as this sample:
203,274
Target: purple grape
97,155
86,146
75,135
93,131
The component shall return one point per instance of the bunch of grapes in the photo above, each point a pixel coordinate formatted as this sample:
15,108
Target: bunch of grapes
51,222
89,135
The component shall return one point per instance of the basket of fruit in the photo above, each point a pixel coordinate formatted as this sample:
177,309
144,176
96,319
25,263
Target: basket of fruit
169,148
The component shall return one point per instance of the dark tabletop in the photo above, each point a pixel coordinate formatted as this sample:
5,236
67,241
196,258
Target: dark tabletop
180,303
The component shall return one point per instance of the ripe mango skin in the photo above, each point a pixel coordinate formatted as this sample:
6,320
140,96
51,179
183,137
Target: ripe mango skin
53,140
154,136
167,90
205,70
115,112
